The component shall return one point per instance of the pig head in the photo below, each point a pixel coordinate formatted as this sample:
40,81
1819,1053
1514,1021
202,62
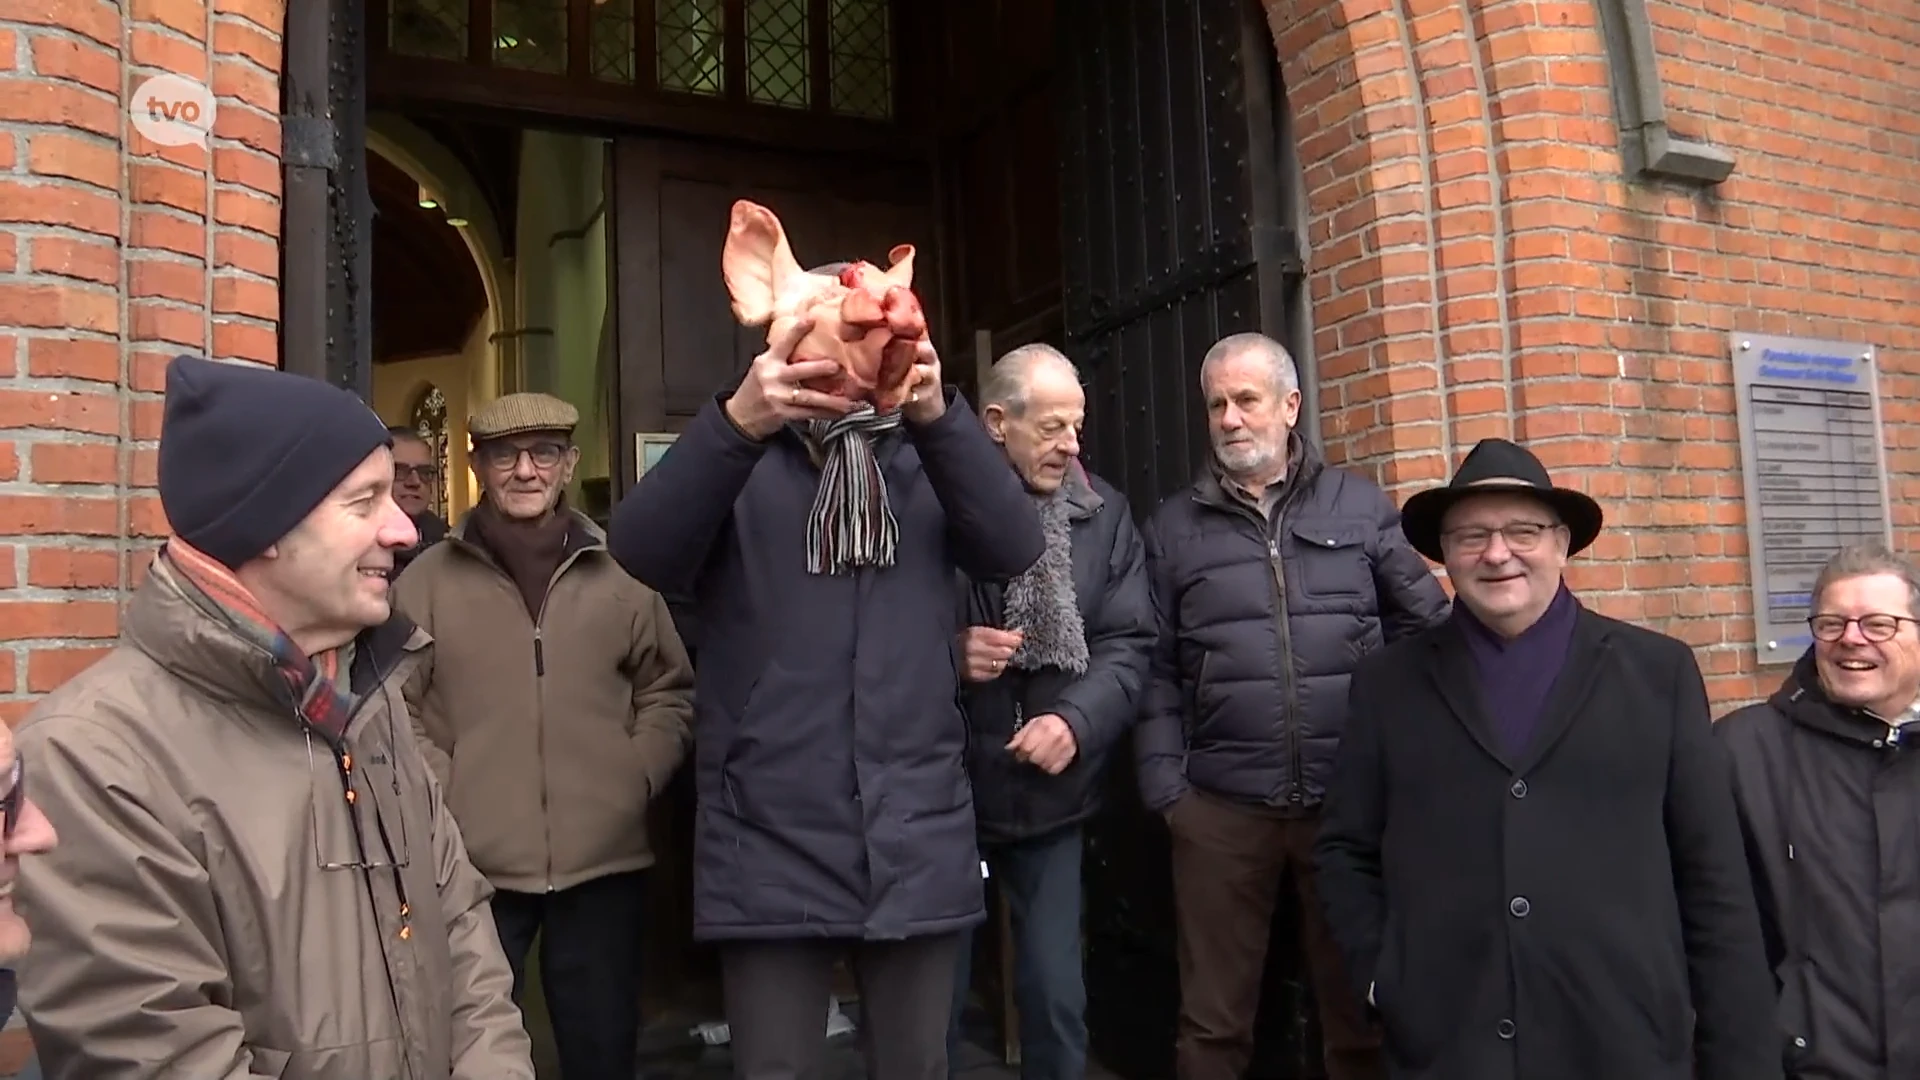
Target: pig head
865,319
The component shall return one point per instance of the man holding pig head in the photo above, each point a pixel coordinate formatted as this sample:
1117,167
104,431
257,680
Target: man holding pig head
818,540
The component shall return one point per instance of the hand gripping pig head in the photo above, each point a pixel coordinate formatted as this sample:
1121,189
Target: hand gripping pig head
865,319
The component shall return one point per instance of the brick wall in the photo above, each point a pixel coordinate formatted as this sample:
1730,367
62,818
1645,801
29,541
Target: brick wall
1481,268
115,253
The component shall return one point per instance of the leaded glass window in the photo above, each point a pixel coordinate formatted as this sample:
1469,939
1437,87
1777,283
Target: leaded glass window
530,35
777,53
611,40
860,55
691,36
432,29
429,418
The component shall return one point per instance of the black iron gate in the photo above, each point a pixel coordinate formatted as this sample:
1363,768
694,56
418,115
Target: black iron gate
1178,230
326,268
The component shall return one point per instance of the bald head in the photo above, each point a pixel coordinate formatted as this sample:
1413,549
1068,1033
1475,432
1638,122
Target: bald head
1033,406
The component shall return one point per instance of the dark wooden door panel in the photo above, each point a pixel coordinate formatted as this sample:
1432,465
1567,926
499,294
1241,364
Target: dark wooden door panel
1171,238
678,340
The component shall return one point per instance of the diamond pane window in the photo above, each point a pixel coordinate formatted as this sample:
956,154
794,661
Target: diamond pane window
777,53
433,29
611,40
691,36
530,35
860,50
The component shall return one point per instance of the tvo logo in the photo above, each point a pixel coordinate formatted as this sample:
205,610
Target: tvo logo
172,110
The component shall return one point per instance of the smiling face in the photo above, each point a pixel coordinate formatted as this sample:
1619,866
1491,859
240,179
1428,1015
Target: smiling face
414,475
524,475
24,830
327,580
1855,670
1504,554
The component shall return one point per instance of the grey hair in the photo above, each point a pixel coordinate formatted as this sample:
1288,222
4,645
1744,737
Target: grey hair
1006,381
1286,378
1866,560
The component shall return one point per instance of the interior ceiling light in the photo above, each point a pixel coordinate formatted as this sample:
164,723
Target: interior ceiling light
457,222
427,201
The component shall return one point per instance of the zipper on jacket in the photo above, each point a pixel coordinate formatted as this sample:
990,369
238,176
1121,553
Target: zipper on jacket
539,655
540,697
1290,723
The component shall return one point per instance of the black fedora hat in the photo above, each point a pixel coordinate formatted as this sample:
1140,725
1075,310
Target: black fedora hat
1495,466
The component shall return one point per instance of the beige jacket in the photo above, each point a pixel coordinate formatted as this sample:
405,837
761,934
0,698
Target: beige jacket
550,739
185,925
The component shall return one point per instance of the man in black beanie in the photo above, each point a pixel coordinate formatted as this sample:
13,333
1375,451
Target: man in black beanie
258,875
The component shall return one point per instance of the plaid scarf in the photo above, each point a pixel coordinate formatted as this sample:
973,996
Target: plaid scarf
852,523
313,681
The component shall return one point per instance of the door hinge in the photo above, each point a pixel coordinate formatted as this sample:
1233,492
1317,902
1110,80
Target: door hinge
308,142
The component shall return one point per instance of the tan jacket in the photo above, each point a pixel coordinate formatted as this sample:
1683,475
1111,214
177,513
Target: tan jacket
549,739
185,926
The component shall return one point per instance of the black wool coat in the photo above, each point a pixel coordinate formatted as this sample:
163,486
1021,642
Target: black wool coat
829,745
1579,911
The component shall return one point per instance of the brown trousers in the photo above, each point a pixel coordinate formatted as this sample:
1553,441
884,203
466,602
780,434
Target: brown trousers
1228,862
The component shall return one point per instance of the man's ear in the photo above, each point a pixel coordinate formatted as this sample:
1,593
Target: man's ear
994,418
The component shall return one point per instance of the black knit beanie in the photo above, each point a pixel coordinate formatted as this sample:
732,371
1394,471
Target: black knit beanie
247,452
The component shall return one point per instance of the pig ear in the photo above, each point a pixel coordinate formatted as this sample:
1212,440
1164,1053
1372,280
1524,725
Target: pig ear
901,272
756,262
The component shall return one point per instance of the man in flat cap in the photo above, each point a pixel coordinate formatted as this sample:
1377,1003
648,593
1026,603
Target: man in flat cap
1530,855
561,687
257,876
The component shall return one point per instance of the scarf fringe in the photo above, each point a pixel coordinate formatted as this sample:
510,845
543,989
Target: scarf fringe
852,523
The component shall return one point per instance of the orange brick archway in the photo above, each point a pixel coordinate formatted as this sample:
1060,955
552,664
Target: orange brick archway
1481,266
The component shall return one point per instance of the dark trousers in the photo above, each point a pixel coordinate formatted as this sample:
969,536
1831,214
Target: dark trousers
589,968
778,992
1039,880
1228,862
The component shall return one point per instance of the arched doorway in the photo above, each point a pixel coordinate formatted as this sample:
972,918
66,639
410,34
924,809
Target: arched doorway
432,354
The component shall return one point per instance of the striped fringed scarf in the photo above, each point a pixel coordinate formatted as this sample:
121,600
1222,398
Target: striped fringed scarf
313,681
851,524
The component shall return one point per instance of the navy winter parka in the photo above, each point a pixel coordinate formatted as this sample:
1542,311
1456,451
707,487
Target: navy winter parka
829,747
1261,624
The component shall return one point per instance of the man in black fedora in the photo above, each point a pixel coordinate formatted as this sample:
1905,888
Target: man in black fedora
1531,858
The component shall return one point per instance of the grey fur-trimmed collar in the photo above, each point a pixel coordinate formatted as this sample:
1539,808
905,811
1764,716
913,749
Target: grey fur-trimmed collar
1041,603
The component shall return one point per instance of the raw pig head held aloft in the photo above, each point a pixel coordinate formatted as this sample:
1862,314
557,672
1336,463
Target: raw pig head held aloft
865,319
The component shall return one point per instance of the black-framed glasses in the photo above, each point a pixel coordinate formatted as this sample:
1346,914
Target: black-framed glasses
13,800
505,455
426,474
1875,628
1521,537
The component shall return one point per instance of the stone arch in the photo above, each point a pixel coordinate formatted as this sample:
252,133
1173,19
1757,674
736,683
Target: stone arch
1450,151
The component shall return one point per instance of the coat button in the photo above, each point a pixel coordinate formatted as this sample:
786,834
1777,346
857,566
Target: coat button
1519,907
1519,789
1505,1028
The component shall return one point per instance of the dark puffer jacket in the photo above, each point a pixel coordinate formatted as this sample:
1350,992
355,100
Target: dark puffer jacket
1013,800
1830,809
1261,623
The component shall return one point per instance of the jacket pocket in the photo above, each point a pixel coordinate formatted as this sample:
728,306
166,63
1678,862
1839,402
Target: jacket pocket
1795,1017
1329,557
268,1062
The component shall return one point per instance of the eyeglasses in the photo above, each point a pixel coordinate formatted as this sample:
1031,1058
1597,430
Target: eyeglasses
1521,537
504,455
427,474
1875,628
15,797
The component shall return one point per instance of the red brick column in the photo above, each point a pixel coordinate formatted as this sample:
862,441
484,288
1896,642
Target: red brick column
1481,266
115,254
